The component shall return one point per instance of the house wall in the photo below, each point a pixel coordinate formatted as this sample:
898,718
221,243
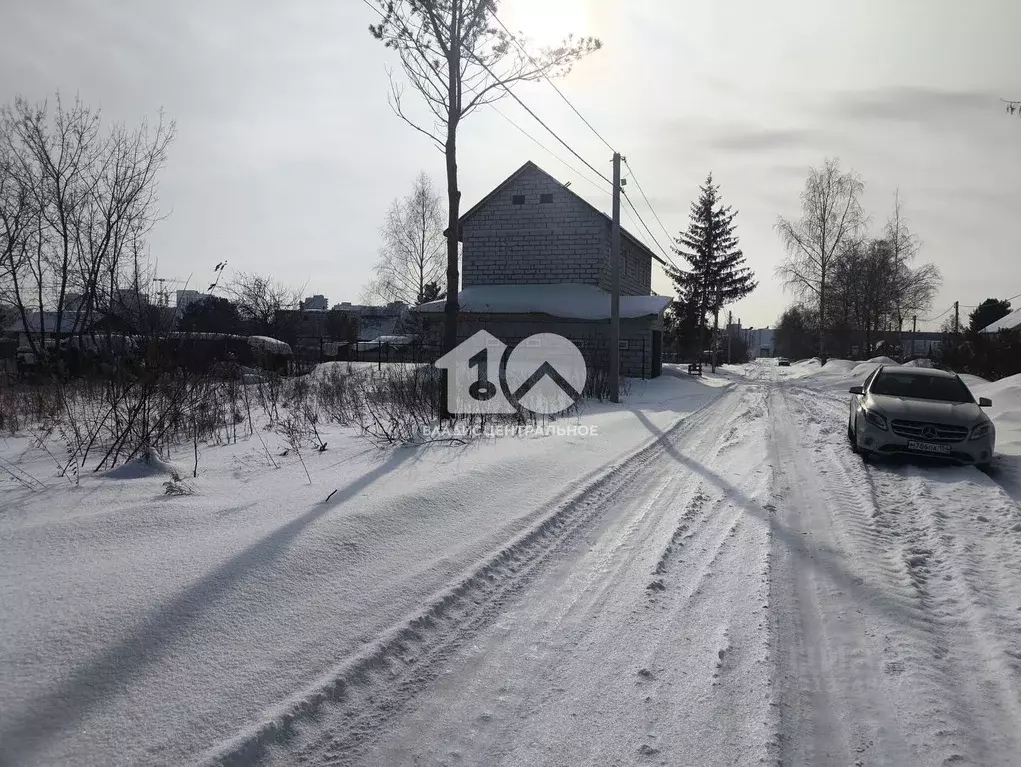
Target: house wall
560,241
591,337
545,243
635,271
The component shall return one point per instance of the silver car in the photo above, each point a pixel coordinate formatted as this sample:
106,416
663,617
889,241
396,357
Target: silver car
919,411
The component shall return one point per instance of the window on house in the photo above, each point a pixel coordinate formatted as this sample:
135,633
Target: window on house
543,198
518,199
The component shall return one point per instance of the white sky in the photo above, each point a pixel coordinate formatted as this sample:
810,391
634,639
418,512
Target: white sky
288,155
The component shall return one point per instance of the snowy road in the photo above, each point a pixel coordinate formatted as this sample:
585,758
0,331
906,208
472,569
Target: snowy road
743,591
716,579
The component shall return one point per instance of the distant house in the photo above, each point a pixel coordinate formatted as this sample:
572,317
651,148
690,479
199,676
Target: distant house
315,334
760,342
41,324
376,321
536,259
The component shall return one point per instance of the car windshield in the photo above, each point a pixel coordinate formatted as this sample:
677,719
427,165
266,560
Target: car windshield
918,386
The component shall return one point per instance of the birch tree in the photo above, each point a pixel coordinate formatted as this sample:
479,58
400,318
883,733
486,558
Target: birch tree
412,253
831,219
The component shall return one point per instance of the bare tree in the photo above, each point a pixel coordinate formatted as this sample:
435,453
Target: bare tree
412,254
1013,107
259,298
455,57
903,248
831,220
83,198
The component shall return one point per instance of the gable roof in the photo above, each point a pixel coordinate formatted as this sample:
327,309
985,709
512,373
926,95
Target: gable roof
529,165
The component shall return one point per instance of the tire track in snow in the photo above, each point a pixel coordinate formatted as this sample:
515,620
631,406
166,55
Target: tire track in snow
361,695
899,537
648,683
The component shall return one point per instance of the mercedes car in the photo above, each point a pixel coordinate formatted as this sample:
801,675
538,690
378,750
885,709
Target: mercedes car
922,412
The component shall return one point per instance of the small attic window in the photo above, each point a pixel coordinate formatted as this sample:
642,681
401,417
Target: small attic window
544,198
518,199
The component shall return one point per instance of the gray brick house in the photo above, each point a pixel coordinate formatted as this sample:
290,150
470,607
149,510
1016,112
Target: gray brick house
536,259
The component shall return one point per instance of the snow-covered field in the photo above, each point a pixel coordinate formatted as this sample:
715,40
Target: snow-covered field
710,578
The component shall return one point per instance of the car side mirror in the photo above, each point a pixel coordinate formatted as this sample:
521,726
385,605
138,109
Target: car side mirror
985,402
856,390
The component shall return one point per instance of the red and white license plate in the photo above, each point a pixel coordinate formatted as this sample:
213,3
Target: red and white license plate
928,447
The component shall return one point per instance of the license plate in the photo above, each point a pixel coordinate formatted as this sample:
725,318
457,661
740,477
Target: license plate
928,447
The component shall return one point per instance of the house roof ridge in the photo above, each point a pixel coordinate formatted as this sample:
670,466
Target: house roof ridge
529,164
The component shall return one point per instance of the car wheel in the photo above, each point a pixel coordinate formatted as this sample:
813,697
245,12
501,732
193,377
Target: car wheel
852,438
985,467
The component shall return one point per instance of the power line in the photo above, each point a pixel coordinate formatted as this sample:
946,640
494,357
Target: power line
646,198
552,84
539,120
567,146
648,231
548,151
938,316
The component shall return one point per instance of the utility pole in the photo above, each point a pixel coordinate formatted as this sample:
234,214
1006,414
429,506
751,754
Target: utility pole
957,317
914,333
615,285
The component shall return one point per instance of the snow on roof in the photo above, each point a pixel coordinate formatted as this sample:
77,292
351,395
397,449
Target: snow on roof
585,302
267,344
1009,322
375,343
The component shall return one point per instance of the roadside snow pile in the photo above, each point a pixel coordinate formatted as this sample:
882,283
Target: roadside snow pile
862,370
837,367
919,363
882,361
1005,412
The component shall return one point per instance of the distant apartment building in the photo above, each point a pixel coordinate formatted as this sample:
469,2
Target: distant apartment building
316,303
187,297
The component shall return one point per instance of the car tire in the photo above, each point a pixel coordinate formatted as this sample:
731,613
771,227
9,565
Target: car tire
984,467
852,438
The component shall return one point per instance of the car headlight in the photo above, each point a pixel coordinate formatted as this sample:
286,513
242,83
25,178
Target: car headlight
982,430
877,420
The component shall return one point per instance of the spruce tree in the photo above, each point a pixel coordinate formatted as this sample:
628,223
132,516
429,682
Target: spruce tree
718,275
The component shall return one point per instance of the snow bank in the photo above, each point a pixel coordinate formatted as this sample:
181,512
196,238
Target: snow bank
882,361
836,367
585,302
1005,412
919,363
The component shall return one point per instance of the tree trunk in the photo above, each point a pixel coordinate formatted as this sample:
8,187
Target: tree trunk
716,328
450,307
822,320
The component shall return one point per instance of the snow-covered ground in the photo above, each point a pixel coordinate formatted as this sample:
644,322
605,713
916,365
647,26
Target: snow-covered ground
711,578
144,628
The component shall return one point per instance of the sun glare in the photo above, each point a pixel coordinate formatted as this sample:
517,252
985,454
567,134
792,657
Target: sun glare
546,21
